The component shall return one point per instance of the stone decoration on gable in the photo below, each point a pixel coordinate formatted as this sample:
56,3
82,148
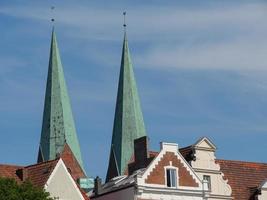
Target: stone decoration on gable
205,165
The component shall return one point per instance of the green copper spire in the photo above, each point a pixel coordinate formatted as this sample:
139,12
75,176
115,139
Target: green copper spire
128,121
58,125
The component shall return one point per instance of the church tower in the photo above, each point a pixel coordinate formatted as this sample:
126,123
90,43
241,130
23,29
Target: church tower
58,126
128,122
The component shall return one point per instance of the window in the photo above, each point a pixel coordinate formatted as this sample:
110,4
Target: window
171,177
207,178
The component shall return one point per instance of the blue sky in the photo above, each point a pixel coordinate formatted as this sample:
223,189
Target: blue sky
201,70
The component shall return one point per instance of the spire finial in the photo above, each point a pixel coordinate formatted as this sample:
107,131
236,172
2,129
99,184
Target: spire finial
124,21
52,8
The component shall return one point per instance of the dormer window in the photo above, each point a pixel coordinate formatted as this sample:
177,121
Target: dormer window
171,177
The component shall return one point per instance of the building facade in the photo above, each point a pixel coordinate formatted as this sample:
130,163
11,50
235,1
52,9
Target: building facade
186,173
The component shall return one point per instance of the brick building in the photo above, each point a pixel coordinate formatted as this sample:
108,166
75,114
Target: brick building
186,173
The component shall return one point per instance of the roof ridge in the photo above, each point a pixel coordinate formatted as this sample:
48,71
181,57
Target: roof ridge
10,165
186,147
241,161
42,163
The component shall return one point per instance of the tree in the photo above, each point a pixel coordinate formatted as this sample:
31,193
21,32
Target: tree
11,190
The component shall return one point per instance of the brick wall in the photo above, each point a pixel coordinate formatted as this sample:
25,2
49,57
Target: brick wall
157,176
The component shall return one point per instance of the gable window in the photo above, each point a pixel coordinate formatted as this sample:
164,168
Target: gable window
171,177
207,179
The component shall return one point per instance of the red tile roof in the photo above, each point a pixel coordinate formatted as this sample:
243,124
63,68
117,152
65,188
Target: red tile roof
9,171
243,177
39,173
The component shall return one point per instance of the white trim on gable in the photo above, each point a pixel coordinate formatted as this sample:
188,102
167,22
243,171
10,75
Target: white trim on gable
209,144
61,163
169,147
263,190
264,185
52,175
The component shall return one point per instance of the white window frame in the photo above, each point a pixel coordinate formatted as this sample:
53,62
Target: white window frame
177,177
208,182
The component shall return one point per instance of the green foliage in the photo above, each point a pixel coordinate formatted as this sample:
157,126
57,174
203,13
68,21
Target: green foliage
10,190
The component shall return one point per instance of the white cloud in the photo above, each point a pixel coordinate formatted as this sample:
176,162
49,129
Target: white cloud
229,37
241,54
146,21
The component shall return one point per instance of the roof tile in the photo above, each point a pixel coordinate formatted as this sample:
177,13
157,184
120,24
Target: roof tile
243,177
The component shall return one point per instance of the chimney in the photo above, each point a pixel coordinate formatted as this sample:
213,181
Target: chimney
98,186
171,147
141,153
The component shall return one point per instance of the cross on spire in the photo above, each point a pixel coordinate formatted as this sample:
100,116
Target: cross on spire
52,8
124,21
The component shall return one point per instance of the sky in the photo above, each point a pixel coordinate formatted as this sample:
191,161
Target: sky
200,67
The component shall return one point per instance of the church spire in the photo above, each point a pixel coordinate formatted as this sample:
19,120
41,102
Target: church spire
128,122
58,125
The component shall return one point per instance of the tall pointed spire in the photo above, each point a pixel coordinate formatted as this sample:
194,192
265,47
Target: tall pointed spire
58,125
128,121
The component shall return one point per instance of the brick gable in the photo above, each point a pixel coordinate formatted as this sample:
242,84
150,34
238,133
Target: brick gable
157,176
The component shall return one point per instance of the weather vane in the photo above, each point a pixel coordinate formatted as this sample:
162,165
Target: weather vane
124,20
52,9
